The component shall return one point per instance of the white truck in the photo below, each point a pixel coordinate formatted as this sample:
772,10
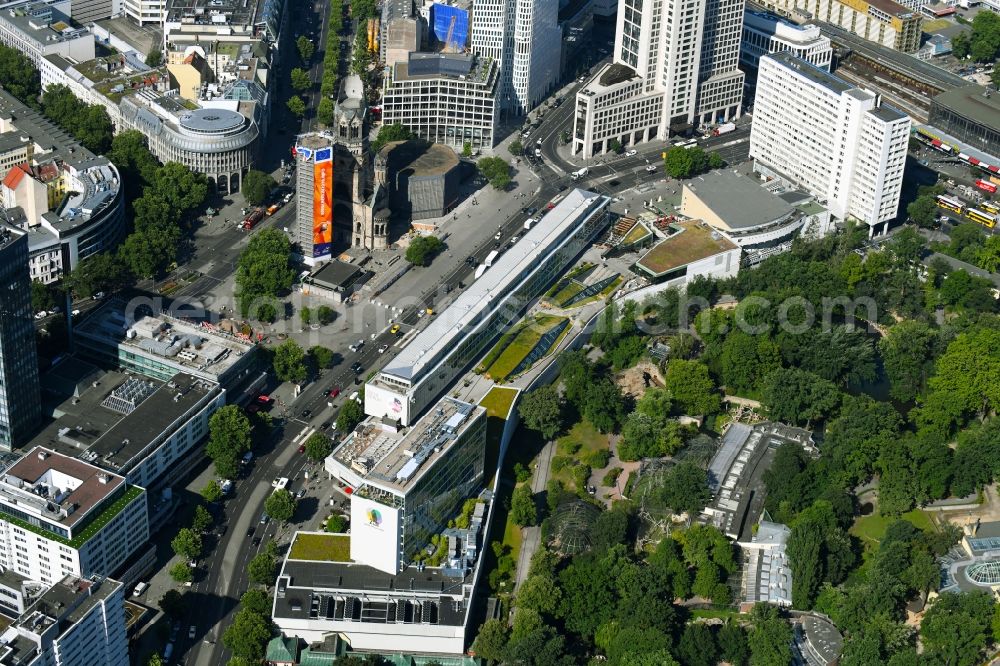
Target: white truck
490,258
577,175
480,270
724,128
538,152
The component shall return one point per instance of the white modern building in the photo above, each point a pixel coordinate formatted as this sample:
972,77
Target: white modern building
60,516
407,485
460,334
39,28
524,38
146,12
674,66
764,32
76,621
837,141
444,98
418,516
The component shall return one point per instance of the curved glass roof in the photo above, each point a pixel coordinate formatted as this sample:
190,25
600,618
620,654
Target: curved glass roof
984,573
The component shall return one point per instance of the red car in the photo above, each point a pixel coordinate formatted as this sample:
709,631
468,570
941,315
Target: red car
334,392
302,448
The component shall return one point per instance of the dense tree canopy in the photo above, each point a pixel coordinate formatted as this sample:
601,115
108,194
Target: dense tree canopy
423,249
264,270
256,187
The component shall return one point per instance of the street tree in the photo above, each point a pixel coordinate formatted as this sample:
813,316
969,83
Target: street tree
181,572
516,148
388,133
264,269
318,446
280,505
542,410
256,600
296,106
20,78
256,187
522,506
305,47
349,417
187,544
248,635
324,111
263,568
228,438
300,80
325,314
154,58
289,362
321,356
212,492
103,271
496,171
202,519
423,249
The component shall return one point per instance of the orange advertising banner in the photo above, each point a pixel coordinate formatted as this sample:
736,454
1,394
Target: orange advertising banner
323,203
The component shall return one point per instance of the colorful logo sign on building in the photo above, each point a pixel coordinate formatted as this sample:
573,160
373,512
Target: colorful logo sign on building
374,517
323,203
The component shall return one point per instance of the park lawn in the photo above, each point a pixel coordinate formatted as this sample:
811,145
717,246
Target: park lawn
512,537
714,613
321,547
590,440
871,529
521,346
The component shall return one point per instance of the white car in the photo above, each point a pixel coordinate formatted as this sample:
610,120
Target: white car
41,315
650,168
631,153
383,349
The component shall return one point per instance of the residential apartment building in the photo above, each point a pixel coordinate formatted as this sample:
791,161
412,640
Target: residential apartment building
885,22
412,380
60,516
20,398
764,32
839,142
444,98
69,201
674,66
39,28
524,39
77,621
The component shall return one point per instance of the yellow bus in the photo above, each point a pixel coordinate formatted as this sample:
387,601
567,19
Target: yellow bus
982,218
990,208
949,203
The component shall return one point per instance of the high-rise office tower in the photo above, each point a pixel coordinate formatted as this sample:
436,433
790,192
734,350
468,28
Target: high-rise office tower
523,36
20,397
675,66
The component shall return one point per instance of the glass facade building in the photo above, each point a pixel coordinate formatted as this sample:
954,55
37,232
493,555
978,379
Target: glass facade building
20,396
463,332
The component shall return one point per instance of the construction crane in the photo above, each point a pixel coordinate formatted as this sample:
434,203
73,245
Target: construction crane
451,30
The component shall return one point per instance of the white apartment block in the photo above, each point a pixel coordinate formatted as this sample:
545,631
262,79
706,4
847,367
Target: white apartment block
765,33
60,516
38,29
523,37
882,21
75,622
837,141
675,66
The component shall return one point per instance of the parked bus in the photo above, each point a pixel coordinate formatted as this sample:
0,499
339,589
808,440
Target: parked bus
985,219
949,203
990,207
986,186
